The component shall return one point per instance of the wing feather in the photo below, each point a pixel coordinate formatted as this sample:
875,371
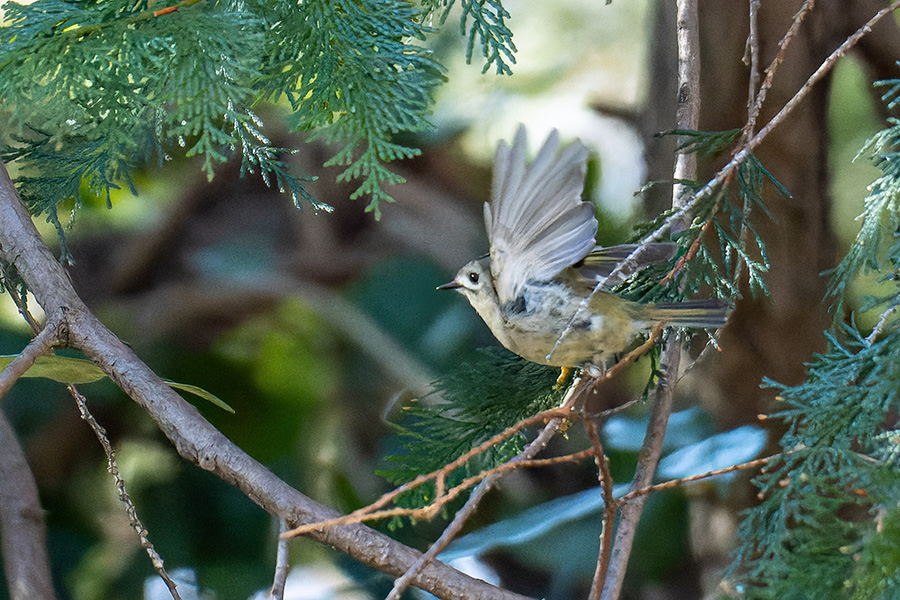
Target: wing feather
537,223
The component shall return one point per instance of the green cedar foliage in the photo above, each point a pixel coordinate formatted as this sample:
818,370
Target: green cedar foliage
826,498
881,213
472,403
484,23
93,90
828,524
721,235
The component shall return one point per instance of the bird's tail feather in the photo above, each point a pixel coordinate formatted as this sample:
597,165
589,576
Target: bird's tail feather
702,314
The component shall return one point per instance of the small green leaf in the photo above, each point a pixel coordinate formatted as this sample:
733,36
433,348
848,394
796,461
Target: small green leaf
198,391
63,369
78,371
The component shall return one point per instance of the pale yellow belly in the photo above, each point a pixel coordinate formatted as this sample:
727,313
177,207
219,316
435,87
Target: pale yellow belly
538,339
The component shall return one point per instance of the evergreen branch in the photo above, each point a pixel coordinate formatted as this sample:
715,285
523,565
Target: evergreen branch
836,455
705,144
134,85
257,152
479,400
881,210
133,19
719,225
369,85
443,495
142,83
687,256
487,482
488,28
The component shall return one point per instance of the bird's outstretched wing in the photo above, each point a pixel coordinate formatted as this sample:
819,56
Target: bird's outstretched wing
601,262
537,223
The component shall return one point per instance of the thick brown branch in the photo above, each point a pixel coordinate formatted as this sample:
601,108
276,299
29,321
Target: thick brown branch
25,560
194,437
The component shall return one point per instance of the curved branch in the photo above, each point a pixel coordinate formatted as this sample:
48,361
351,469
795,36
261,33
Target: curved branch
688,115
41,343
648,459
193,436
25,560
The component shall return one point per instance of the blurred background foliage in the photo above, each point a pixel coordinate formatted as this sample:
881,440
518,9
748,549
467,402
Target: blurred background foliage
318,328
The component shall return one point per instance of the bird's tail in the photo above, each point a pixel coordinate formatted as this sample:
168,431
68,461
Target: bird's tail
702,314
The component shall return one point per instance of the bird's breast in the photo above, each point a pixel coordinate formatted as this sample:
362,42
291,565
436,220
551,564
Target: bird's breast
547,324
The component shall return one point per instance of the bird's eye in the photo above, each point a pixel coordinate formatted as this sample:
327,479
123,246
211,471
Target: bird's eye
473,277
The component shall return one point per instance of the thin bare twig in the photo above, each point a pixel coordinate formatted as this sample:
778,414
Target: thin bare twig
25,560
880,325
817,76
673,483
365,515
282,564
19,301
39,345
757,98
437,476
465,513
756,103
648,458
373,511
130,509
610,507
751,56
688,115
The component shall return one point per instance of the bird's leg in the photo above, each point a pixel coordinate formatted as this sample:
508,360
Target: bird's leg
563,375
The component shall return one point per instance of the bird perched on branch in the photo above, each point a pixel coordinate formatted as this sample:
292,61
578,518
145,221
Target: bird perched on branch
536,289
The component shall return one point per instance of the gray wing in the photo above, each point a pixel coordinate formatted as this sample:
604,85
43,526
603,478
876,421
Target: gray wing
601,262
537,223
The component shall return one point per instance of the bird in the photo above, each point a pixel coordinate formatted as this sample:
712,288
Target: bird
535,289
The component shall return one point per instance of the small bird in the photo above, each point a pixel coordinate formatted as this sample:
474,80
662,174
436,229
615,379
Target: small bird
544,262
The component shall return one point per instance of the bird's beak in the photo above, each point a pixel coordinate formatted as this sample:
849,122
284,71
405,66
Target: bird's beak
452,285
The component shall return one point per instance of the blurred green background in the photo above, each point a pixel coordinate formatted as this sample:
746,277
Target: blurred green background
316,328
